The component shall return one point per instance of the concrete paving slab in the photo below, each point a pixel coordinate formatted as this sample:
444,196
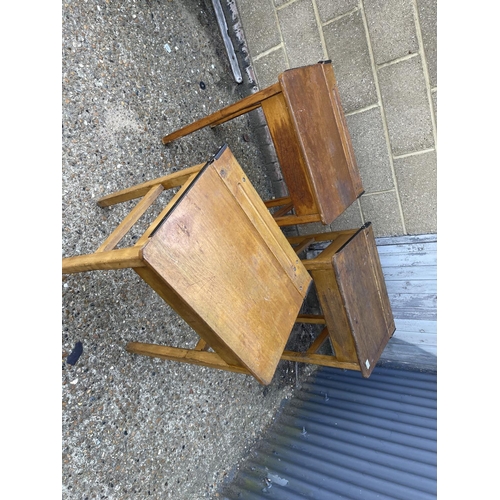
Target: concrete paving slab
392,30
371,150
406,105
350,218
268,67
260,25
417,181
382,210
300,33
347,47
434,104
329,10
427,13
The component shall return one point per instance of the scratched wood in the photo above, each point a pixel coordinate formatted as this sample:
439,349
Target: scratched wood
218,258
316,115
287,146
235,275
309,131
359,276
351,290
409,267
335,101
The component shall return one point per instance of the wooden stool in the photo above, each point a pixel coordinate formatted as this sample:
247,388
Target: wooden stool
309,132
353,298
218,258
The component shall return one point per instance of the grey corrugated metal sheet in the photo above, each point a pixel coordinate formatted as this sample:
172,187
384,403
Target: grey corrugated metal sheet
345,437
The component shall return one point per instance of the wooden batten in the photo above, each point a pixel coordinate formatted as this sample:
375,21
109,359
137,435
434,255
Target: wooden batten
223,115
168,182
192,356
319,359
114,259
138,211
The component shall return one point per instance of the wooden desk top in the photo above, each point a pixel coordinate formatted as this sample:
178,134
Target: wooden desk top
229,265
316,113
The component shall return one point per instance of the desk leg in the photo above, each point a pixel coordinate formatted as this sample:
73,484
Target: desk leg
192,356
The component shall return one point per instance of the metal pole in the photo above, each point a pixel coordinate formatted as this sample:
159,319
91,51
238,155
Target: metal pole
227,41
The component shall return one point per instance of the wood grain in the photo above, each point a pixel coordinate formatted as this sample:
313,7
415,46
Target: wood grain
307,125
168,182
132,217
114,259
240,275
228,113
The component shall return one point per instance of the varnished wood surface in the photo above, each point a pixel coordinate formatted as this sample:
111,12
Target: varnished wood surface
113,259
290,157
169,181
144,238
311,318
192,356
334,95
335,314
309,132
218,258
133,216
360,279
319,359
318,341
313,110
225,257
251,204
353,295
228,113
324,259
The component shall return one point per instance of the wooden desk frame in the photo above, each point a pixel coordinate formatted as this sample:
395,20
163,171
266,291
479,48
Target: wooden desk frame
218,258
312,142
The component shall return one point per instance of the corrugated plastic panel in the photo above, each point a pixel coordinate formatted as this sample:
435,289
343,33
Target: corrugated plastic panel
346,437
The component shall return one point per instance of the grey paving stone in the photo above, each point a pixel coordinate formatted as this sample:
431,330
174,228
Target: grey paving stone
435,104
427,14
382,210
269,67
406,105
348,49
312,228
370,148
279,189
300,33
262,137
391,25
259,25
350,219
417,184
330,10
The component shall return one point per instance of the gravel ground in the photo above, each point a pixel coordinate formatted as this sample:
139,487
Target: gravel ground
133,426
